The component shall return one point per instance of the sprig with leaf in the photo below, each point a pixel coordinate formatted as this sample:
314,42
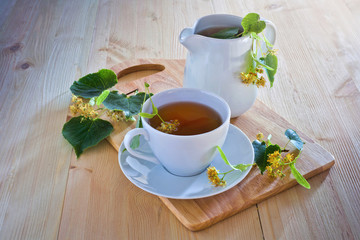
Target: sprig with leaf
165,126
92,99
213,173
253,28
268,157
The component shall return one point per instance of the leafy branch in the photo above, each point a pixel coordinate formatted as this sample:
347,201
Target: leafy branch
91,100
253,28
268,158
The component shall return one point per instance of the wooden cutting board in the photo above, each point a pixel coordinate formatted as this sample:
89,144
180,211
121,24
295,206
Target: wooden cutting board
201,213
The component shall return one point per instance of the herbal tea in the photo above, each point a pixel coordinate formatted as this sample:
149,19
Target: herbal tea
193,118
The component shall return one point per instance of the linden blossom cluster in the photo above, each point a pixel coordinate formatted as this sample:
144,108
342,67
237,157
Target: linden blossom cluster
267,158
82,107
213,175
169,127
253,78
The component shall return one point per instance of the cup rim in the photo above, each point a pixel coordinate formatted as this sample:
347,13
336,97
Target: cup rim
225,122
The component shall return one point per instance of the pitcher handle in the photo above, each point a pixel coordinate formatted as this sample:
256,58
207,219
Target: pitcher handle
270,32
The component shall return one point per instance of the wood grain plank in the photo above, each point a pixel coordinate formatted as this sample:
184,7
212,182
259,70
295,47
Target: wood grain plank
34,157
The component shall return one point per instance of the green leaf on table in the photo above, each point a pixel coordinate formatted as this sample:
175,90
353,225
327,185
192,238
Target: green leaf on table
299,178
294,138
252,23
271,61
130,105
102,97
260,156
227,33
83,133
93,84
240,167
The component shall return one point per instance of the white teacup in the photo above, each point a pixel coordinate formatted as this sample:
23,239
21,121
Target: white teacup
182,155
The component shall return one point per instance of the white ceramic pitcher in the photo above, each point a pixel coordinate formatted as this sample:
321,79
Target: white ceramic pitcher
215,64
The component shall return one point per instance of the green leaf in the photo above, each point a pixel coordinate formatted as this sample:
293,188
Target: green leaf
92,85
147,115
249,19
257,27
271,61
129,105
271,149
226,33
294,138
260,156
240,167
251,23
83,133
299,178
102,97
260,63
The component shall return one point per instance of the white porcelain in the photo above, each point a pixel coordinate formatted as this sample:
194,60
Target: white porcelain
153,178
182,155
214,64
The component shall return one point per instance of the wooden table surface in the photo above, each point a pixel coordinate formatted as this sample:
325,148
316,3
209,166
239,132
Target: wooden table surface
45,193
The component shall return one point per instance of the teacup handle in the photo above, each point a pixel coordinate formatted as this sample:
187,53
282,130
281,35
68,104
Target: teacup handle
127,143
270,31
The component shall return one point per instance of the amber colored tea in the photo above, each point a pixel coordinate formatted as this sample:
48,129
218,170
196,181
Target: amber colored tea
194,118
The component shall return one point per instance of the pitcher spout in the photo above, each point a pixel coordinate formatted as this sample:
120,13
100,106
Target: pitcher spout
190,40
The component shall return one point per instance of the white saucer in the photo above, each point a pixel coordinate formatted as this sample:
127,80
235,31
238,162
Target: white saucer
154,179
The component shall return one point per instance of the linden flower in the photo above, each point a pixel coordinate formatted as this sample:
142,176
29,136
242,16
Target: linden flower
260,82
274,160
253,78
116,116
288,158
169,127
82,108
213,175
273,51
259,70
259,136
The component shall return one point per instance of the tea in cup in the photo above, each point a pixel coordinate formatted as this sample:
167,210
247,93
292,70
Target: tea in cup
202,120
